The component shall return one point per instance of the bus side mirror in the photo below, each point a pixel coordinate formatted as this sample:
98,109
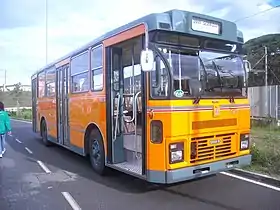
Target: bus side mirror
147,60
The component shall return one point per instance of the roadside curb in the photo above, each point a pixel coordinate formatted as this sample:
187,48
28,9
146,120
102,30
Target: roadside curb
257,177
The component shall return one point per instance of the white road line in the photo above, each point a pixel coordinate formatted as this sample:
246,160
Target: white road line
23,121
71,201
18,141
251,181
44,167
28,150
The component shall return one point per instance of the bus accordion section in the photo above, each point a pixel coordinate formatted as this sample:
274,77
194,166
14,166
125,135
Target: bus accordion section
163,98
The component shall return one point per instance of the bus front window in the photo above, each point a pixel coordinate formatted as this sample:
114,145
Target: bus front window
225,74
184,65
221,75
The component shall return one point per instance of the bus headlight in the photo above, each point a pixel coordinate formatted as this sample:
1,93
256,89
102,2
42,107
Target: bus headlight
176,152
244,141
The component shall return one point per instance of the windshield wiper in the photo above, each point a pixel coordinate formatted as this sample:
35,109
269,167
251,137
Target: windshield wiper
205,73
231,98
218,74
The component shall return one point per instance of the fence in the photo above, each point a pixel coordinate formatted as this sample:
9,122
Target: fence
260,108
10,109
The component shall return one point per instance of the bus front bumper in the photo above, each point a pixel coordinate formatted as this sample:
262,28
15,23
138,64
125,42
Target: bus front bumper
189,173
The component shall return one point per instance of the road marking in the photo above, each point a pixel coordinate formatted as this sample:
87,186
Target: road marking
23,121
251,181
71,201
28,150
44,167
18,141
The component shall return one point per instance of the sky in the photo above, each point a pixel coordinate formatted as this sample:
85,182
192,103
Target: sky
74,23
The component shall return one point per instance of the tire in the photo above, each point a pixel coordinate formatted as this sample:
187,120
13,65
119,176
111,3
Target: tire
96,152
45,133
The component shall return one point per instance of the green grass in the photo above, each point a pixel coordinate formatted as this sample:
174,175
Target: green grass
265,149
24,114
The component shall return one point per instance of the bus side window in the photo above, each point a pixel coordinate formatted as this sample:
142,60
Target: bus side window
79,72
97,68
50,81
41,84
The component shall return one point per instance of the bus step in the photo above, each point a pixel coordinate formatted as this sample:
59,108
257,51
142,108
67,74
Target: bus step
134,167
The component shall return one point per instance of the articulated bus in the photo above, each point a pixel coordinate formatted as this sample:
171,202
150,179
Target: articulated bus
163,98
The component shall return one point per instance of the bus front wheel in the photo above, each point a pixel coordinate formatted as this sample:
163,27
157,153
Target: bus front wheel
96,152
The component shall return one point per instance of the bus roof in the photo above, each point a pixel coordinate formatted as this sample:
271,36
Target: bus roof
172,20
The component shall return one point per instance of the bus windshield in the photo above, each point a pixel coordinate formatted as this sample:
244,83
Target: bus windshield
220,74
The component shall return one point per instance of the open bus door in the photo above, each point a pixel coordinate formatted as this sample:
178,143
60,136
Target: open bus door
126,107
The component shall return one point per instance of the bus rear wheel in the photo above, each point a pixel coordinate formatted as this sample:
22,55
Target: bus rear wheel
44,131
96,152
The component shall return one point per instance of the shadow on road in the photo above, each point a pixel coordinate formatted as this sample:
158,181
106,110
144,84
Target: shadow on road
66,160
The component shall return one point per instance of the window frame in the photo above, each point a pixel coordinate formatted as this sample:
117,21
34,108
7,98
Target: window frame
50,69
79,73
92,70
43,72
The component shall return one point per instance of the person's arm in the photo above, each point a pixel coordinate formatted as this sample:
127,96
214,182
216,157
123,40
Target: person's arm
8,122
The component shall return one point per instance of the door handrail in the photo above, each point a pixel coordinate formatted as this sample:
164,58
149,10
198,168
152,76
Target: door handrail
117,117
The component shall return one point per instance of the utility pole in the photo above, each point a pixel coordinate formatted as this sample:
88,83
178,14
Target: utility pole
5,79
266,88
46,19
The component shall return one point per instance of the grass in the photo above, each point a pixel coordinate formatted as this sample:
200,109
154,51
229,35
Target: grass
24,114
265,149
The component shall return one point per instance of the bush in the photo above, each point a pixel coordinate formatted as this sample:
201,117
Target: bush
25,114
265,149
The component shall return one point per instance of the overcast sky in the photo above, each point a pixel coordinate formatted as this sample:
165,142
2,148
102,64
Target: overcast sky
76,22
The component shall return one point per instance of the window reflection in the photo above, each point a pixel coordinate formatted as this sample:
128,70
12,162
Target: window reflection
80,82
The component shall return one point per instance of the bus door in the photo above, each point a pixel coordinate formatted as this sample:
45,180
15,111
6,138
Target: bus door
62,105
127,107
34,104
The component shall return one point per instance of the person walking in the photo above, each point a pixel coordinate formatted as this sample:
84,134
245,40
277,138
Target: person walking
5,128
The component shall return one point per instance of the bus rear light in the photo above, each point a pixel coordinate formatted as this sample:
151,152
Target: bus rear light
193,154
176,152
156,132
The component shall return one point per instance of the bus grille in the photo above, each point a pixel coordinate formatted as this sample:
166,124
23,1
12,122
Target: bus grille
212,147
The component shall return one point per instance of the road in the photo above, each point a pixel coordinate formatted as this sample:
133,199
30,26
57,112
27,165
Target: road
25,183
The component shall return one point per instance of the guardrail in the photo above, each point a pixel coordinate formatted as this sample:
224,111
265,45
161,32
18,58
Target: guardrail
16,108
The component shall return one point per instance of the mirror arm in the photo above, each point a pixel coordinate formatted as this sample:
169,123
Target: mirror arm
197,100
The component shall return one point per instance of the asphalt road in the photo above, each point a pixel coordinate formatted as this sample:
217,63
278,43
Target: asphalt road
26,184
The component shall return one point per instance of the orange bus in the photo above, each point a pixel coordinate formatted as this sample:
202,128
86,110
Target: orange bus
163,98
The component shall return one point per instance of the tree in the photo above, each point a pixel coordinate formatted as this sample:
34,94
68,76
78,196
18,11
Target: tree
254,49
16,94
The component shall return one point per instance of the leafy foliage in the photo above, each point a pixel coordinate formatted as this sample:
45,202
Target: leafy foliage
16,97
254,49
